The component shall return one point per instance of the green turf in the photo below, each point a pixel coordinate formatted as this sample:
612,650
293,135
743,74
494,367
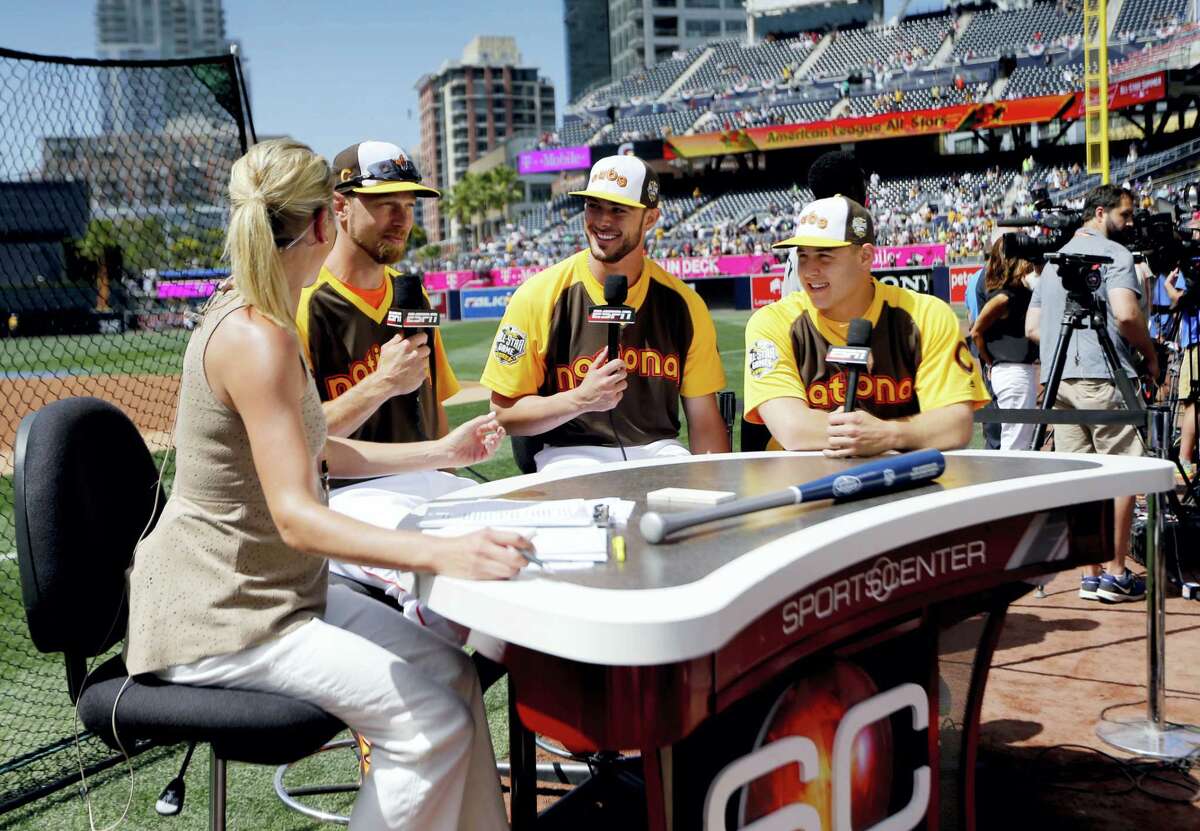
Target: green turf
32,680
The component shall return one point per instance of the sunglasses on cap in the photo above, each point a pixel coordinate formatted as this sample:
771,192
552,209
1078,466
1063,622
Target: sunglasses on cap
388,170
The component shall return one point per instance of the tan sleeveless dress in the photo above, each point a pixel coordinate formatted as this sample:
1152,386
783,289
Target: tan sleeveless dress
214,576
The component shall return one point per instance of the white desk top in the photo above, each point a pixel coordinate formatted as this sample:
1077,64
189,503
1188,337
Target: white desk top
684,599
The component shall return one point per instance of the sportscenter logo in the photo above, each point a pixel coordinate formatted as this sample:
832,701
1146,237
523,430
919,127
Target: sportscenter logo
804,752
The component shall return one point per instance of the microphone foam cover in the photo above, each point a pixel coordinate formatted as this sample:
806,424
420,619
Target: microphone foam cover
859,333
616,289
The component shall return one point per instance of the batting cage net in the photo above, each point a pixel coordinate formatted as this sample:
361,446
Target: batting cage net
113,206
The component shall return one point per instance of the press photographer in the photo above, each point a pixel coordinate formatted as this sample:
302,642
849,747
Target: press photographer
1110,292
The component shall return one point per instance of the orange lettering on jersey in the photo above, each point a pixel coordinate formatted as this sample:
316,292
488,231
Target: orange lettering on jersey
649,363
337,385
882,389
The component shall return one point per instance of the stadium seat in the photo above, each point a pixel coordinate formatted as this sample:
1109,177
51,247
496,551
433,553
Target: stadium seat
85,486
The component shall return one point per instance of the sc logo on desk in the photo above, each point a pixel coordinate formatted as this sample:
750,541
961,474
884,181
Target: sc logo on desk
804,751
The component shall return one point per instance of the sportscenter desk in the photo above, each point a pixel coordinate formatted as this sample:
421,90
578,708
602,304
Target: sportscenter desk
814,667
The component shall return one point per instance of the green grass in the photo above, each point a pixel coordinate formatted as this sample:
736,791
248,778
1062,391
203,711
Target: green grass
157,353
35,682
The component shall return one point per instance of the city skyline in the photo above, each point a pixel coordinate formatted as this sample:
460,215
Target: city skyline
327,79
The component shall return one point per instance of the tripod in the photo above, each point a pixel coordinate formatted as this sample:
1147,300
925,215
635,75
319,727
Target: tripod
1084,311
1185,320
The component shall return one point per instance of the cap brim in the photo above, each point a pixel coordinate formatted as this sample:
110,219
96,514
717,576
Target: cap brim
811,242
399,187
608,197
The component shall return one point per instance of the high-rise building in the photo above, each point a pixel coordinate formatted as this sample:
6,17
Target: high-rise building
148,29
469,106
585,23
645,32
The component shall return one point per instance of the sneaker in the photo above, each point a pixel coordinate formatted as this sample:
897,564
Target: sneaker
1119,589
1088,587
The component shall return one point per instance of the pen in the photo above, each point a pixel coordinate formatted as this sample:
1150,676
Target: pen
531,557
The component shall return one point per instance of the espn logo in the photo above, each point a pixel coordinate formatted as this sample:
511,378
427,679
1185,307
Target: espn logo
850,355
610,314
413,318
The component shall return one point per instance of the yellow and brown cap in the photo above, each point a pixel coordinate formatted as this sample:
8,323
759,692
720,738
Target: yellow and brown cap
378,167
833,222
626,180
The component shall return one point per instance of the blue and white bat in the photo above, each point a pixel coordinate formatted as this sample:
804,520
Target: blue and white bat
890,473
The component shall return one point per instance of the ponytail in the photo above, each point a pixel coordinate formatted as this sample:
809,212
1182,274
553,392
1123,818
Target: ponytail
275,190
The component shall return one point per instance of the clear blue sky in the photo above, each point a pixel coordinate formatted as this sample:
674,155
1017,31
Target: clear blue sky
329,73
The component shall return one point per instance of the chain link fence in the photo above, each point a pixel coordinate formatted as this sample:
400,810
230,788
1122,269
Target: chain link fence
112,216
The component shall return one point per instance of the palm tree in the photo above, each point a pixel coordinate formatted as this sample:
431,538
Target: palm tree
504,188
462,201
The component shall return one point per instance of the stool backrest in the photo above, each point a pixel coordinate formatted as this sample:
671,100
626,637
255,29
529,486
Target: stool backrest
84,486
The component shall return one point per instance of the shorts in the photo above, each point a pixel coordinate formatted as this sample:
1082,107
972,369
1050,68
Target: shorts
1186,363
1107,439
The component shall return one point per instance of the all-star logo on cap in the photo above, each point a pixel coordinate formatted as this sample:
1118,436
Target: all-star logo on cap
834,222
378,167
626,180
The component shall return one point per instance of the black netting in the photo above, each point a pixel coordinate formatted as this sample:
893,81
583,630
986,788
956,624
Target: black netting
112,215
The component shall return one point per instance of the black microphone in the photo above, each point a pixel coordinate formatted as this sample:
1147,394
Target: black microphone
614,313
410,310
854,356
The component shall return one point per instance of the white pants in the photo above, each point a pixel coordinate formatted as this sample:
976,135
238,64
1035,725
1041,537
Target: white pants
585,456
385,502
415,697
1016,387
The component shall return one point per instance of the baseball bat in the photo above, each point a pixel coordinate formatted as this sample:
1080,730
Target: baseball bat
890,473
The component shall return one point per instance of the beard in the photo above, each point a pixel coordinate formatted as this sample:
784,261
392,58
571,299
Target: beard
384,253
627,244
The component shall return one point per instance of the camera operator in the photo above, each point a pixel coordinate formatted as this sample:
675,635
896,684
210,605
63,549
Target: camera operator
1087,383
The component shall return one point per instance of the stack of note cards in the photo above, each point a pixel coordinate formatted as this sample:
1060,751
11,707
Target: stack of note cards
563,531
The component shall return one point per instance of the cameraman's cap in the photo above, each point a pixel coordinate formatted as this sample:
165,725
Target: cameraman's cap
626,180
377,167
834,222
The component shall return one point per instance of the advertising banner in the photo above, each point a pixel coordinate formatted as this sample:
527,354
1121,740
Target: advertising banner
765,289
904,256
440,302
514,275
884,125
186,289
736,265
959,275
1121,94
484,303
443,280
558,158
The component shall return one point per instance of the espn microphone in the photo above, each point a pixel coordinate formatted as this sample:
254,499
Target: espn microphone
855,356
410,310
887,474
614,312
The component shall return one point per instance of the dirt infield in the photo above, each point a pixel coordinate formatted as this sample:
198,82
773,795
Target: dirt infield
148,399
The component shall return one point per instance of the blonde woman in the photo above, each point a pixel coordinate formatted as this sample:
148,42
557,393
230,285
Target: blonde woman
230,588
999,334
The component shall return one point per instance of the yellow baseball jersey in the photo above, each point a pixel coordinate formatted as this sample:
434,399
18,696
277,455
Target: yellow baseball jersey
545,345
919,359
342,334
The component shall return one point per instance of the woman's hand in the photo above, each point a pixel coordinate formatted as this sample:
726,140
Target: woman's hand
481,555
472,442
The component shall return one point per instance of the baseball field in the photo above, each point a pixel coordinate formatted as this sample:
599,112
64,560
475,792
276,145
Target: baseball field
140,372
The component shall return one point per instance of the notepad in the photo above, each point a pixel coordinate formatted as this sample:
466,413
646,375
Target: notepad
553,545
557,513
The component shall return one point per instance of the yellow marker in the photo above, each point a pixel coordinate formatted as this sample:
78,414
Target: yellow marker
618,547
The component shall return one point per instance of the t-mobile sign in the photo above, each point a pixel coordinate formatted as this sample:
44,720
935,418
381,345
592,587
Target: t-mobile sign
560,158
